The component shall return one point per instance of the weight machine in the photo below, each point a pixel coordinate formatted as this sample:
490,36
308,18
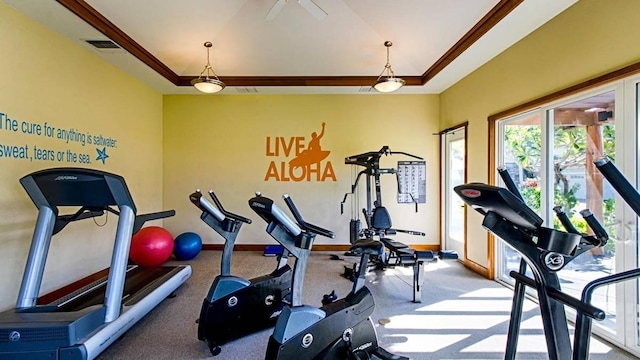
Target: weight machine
378,220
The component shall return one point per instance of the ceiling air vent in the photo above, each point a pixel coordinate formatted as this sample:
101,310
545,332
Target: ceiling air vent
366,89
103,44
247,90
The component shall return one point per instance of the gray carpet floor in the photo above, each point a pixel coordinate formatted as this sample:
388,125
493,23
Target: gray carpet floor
461,316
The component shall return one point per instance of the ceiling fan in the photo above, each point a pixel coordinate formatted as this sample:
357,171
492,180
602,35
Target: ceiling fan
309,5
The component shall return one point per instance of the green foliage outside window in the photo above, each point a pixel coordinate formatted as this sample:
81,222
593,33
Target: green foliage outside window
524,144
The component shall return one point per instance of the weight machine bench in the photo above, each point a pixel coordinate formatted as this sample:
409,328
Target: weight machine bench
397,253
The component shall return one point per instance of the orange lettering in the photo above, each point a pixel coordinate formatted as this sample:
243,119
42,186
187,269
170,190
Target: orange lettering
328,172
272,172
269,153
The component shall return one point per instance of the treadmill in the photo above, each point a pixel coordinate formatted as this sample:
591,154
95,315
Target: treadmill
82,324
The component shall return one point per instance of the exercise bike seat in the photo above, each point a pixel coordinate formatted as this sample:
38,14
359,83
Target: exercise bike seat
367,246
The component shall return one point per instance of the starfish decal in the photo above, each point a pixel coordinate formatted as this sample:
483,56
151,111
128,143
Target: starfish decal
102,154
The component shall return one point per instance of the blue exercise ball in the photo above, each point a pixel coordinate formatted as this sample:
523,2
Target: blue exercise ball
187,246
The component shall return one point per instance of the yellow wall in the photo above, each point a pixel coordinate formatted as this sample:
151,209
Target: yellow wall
47,79
591,38
219,143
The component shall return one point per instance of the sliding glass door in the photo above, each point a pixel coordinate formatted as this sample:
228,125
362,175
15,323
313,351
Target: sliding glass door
549,152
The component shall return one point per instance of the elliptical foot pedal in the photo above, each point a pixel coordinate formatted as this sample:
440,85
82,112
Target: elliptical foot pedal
383,354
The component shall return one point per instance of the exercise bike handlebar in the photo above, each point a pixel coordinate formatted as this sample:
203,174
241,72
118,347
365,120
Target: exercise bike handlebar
225,212
218,213
303,224
198,200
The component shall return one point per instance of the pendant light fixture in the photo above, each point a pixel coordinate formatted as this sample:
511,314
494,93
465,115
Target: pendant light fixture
387,81
205,82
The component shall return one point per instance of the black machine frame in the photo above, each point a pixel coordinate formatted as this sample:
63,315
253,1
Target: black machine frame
234,306
341,328
82,324
546,251
378,220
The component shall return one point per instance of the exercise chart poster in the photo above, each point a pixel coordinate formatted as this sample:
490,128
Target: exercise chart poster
412,182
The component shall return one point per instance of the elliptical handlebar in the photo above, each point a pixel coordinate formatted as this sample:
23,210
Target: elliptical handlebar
628,192
508,181
564,220
225,212
303,224
600,233
570,228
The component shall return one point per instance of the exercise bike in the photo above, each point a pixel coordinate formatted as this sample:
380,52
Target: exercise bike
340,329
235,307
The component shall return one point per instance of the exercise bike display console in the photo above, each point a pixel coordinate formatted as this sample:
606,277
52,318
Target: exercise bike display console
82,324
235,307
341,329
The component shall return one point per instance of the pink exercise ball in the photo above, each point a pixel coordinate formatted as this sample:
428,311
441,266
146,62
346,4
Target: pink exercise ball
151,246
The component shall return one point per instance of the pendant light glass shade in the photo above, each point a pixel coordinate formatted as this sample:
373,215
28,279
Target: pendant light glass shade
387,81
208,82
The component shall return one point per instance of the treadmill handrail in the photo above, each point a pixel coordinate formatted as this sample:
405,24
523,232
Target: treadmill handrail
140,219
83,213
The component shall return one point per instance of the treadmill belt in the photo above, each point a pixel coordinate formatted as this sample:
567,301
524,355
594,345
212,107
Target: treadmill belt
137,278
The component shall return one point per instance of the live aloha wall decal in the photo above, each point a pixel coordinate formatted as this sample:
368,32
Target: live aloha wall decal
304,161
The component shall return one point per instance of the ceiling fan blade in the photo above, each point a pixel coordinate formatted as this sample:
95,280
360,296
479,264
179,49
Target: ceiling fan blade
313,8
275,9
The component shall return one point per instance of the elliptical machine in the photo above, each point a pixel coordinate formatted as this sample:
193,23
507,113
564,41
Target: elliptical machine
235,307
340,329
545,251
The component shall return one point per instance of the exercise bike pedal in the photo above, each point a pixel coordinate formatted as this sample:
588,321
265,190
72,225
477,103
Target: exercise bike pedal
329,298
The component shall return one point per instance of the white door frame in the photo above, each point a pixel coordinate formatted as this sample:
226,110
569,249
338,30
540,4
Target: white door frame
451,201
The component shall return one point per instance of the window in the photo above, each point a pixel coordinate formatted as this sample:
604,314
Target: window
549,153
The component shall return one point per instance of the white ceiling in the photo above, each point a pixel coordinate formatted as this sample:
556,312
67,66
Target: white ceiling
348,41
